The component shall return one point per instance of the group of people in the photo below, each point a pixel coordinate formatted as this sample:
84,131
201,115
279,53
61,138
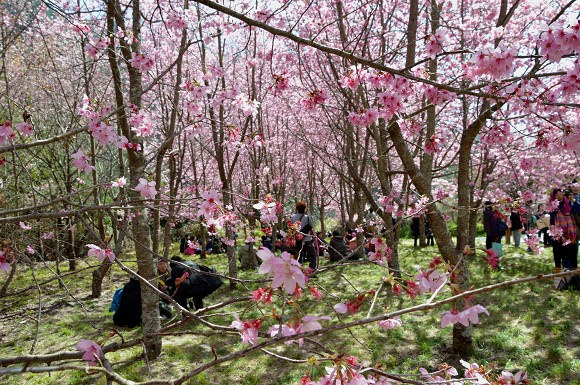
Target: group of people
187,282
416,230
308,246
193,246
557,228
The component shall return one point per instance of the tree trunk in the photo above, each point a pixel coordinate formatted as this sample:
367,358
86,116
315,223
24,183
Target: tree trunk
422,238
98,276
146,261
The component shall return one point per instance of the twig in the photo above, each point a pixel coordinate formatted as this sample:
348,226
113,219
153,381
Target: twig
146,357
283,358
375,298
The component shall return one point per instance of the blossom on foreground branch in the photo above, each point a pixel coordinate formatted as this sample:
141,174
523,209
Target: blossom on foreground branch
92,351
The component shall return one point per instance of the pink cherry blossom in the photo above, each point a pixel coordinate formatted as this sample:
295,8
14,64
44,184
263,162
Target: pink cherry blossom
390,323
281,83
467,316
24,226
105,134
310,323
121,182
141,61
93,351
556,232
314,98
263,295
341,308
6,131
509,378
433,144
533,242
493,62
146,189
25,129
287,273
473,371
438,96
248,329
430,280
4,265
81,161
228,242
176,21
285,331
382,253
210,196
101,254
434,45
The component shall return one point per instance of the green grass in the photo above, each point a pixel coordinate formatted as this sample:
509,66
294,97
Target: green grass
531,326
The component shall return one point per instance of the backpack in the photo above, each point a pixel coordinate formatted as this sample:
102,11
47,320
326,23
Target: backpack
569,282
307,227
213,281
116,300
501,226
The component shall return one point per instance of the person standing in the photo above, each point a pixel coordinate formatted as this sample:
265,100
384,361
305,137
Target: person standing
517,225
307,251
543,223
490,226
429,234
415,229
575,216
564,246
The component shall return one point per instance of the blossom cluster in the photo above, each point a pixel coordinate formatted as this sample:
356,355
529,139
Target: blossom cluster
493,62
286,270
141,61
176,21
434,45
92,351
140,123
4,265
9,132
313,99
465,317
146,188
438,96
382,253
81,161
101,254
96,46
555,42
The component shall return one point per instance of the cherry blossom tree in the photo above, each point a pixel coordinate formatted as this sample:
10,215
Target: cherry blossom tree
118,115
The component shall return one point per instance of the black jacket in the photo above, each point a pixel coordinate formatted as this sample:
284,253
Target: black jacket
337,248
516,221
129,312
197,285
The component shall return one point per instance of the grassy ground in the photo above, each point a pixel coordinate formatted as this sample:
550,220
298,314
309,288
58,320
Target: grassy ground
531,327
